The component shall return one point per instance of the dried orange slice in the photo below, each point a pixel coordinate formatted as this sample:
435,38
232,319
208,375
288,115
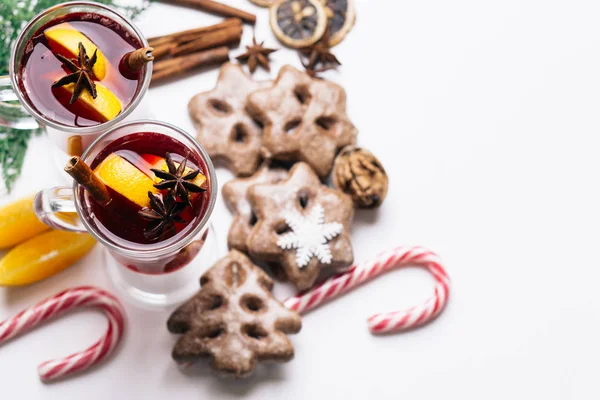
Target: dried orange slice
126,179
298,23
64,39
18,222
43,256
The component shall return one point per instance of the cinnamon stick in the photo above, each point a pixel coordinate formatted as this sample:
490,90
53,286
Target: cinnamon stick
180,65
137,59
74,146
83,174
216,8
191,34
229,36
162,50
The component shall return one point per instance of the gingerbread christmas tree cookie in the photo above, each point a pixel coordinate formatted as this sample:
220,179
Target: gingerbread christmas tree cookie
234,319
302,225
235,196
225,129
304,119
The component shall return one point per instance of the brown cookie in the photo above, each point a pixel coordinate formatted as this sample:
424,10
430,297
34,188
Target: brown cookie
225,129
302,225
304,119
234,319
235,196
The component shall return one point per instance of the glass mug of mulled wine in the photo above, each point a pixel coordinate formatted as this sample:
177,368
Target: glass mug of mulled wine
71,72
146,191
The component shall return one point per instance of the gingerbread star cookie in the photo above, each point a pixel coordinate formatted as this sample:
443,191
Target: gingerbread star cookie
304,119
234,319
302,225
225,129
235,196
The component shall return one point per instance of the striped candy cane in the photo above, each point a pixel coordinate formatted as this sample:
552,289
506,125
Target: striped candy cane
358,274
83,296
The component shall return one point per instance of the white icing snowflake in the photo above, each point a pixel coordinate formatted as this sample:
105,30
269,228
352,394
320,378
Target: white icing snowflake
309,235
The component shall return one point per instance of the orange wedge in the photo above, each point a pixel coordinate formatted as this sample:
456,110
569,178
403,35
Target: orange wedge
124,178
18,222
43,256
104,107
160,163
64,39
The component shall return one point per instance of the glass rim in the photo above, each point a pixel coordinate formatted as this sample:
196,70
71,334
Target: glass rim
156,249
82,130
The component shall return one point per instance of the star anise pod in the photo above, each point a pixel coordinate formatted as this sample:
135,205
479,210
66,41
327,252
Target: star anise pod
256,55
319,54
162,215
177,181
81,75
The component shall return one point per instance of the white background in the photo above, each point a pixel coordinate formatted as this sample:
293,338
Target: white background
485,114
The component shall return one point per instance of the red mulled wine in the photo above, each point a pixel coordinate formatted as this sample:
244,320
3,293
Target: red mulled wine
55,52
138,170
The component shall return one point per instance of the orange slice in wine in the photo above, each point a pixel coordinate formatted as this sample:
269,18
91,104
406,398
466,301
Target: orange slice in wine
126,179
160,163
104,107
64,39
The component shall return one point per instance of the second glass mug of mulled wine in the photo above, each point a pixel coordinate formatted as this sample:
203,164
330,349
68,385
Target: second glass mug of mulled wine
72,72
147,193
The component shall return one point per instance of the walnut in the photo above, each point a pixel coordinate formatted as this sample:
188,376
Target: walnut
359,173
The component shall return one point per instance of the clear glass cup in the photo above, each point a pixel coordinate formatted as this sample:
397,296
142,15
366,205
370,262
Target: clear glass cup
140,271
24,115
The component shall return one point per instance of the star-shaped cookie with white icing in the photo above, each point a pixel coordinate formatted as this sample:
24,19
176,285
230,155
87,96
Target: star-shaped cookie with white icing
302,225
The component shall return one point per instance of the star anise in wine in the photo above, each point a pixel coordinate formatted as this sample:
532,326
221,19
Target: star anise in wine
319,54
176,180
255,55
162,215
81,73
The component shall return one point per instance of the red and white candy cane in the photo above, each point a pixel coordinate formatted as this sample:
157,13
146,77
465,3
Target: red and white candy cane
83,296
358,274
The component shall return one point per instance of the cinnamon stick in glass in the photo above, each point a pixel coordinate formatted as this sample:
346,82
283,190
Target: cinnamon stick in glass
132,63
74,146
216,8
83,174
179,65
137,59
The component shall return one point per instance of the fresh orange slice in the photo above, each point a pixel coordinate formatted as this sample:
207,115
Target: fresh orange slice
160,163
104,107
43,256
126,179
18,222
64,39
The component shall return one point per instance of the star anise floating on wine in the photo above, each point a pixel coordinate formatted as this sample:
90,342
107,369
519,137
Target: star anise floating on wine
162,214
177,181
81,73
319,54
255,55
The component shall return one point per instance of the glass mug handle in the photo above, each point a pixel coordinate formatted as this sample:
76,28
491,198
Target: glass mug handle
55,207
13,115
